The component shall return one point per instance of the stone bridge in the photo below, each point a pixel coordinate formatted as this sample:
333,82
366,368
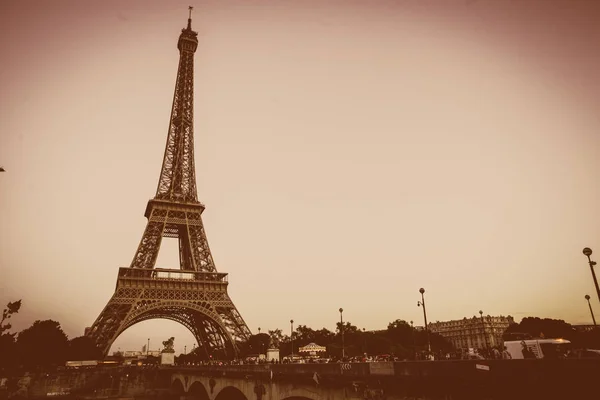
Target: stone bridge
425,380
490,379
204,388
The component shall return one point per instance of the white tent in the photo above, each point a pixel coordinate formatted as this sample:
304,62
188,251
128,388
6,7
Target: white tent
312,349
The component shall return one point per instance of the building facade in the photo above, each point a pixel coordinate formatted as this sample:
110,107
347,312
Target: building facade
475,332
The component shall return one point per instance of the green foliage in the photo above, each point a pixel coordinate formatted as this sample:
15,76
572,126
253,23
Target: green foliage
348,328
83,348
554,328
400,339
259,343
197,354
11,308
8,351
42,344
546,327
8,348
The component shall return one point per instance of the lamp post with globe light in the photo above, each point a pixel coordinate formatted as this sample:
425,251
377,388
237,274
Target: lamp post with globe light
292,337
588,252
587,297
422,304
342,332
483,330
412,330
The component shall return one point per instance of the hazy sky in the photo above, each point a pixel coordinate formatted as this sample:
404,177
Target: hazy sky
348,153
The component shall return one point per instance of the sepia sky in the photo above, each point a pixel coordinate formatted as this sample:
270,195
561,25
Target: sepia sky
348,153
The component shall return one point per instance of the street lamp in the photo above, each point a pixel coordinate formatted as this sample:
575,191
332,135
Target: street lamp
588,252
148,347
587,297
412,330
422,304
292,337
483,330
365,342
342,332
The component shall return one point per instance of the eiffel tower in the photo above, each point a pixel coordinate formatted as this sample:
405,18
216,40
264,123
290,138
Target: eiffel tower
196,294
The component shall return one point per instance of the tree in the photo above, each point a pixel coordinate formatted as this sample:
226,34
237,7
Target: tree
438,342
43,344
11,308
546,327
348,328
400,331
304,334
256,344
83,348
323,337
8,351
8,348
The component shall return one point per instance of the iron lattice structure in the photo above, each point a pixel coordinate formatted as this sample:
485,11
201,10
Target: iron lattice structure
196,294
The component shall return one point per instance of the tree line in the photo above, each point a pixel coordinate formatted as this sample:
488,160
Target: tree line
400,339
533,327
45,344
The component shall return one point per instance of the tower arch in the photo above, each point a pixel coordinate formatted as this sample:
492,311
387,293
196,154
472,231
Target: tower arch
193,317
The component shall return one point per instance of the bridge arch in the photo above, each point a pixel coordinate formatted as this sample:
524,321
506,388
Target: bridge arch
299,393
198,317
231,393
296,398
177,387
197,391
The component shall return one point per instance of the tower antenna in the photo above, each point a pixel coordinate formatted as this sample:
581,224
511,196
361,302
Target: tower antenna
189,26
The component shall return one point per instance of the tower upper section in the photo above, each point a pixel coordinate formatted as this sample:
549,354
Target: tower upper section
188,40
177,182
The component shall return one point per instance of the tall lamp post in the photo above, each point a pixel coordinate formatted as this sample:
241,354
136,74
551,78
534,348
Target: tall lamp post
588,252
422,304
292,336
587,297
412,330
261,343
148,347
342,332
483,330
364,342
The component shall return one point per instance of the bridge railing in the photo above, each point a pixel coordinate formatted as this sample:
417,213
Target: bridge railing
412,369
